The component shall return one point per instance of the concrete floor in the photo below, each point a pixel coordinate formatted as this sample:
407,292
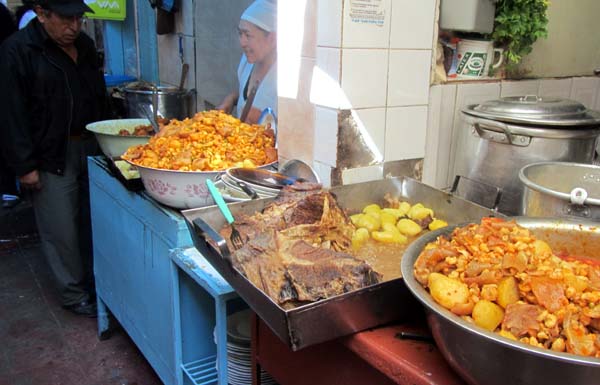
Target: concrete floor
42,344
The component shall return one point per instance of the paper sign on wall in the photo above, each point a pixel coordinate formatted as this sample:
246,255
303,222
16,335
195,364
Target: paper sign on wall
367,12
107,9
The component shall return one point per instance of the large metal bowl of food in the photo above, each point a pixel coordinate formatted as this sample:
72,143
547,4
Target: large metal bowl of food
537,319
116,136
175,164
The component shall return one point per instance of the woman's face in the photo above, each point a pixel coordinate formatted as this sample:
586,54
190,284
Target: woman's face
255,42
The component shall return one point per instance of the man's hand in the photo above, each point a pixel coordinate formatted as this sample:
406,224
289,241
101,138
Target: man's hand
31,181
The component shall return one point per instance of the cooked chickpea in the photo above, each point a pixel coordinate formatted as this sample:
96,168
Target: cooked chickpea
550,321
558,345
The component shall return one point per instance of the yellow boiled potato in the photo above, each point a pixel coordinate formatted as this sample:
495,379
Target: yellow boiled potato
355,219
507,334
389,237
446,291
487,314
371,222
404,208
541,247
437,224
372,208
389,227
387,218
418,212
578,283
408,227
359,237
397,213
508,292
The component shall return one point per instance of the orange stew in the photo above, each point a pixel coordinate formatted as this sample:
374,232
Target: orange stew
497,275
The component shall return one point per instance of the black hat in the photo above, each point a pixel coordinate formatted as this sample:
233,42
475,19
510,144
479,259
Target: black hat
66,7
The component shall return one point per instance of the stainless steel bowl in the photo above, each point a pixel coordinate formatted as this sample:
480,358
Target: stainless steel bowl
549,187
482,357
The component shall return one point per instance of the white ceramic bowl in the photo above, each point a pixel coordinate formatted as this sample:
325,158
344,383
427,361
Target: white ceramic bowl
112,144
179,189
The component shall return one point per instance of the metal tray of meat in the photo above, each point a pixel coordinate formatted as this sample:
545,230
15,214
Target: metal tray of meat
340,315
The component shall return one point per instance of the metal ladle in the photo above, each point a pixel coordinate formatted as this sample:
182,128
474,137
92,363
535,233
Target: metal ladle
151,116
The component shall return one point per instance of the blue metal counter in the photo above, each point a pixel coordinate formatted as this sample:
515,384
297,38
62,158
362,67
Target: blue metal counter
161,290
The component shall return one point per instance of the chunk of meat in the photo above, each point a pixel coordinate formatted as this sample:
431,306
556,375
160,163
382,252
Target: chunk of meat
594,277
579,341
549,293
295,250
475,267
517,261
317,273
430,258
485,278
521,319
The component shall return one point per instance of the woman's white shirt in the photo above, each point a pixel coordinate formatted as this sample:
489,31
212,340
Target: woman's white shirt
266,95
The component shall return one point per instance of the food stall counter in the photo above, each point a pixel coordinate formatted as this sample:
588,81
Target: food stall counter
401,353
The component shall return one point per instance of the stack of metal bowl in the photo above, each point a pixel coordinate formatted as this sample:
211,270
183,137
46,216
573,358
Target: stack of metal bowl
235,181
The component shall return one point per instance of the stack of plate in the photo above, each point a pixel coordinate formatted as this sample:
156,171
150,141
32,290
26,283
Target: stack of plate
232,184
239,357
229,194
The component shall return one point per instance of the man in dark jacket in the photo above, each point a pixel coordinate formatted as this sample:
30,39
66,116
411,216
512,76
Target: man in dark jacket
52,87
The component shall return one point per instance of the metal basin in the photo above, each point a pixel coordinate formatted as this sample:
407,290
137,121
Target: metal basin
340,315
548,187
483,357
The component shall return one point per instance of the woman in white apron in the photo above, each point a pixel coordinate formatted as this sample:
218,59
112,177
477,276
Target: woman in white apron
257,72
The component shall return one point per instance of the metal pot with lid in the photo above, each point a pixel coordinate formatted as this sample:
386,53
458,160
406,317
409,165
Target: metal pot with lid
506,134
165,101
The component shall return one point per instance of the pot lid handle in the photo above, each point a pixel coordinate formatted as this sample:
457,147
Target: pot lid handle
531,98
578,196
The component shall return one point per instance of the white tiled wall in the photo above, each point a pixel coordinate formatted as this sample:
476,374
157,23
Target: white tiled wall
364,76
445,123
363,35
383,71
362,174
297,135
408,80
412,24
405,131
373,120
329,23
326,134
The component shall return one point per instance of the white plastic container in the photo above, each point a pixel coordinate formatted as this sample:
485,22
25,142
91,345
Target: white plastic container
468,15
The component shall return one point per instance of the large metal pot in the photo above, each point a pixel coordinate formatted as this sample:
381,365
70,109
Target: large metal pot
506,134
561,189
169,102
482,357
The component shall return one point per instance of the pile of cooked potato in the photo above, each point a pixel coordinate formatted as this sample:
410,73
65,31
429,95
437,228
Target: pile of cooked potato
210,141
498,276
394,224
